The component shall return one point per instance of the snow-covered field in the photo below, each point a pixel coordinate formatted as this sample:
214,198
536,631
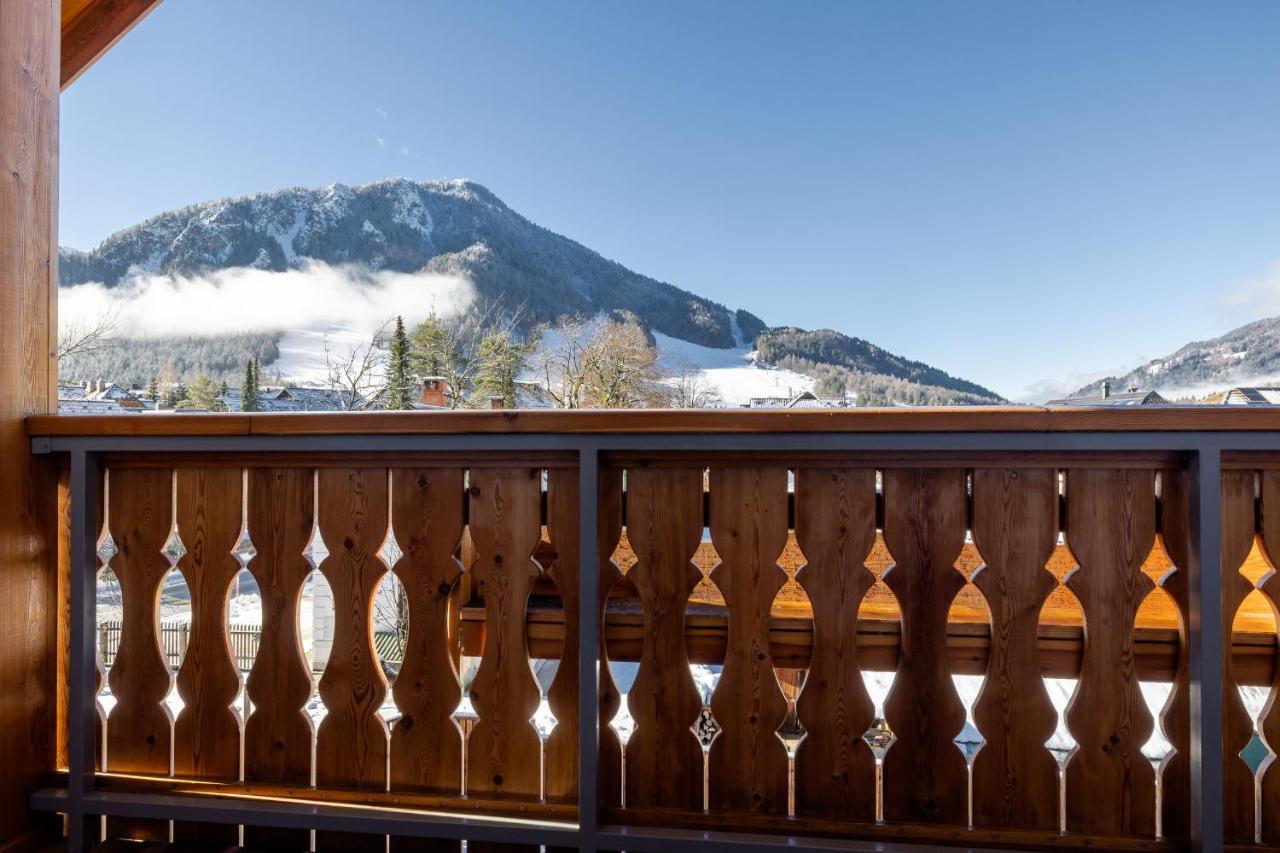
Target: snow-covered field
735,373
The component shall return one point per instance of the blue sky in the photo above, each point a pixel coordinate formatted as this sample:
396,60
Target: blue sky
1012,191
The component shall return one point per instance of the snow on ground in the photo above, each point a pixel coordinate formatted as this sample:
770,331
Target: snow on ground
735,373
302,351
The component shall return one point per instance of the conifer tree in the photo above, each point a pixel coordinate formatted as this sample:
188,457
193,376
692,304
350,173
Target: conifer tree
399,377
249,388
152,391
500,359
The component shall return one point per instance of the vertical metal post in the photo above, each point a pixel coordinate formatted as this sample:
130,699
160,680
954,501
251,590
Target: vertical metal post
588,645
82,715
1205,649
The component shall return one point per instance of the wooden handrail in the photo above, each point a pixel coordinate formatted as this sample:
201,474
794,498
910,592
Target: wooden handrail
736,421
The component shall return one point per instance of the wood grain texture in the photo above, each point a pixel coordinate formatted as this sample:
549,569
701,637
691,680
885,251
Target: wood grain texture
1270,719
504,753
657,421
206,733
140,518
1015,529
835,774
664,525
1238,535
28,383
1110,528
925,776
561,748
351,742
1175,717
91,27
278,733
748,763
426,515
608,533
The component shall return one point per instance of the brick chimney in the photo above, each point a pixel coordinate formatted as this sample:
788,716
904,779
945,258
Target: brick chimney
434,391
496,403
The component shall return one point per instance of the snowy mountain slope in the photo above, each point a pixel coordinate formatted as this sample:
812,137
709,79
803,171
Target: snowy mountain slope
415,233
1248,355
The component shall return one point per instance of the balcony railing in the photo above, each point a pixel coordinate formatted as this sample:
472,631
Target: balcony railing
1007,629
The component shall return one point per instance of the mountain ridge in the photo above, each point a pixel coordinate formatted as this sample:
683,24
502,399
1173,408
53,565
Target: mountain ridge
453,227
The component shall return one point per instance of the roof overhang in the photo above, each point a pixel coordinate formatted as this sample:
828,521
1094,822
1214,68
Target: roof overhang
91,27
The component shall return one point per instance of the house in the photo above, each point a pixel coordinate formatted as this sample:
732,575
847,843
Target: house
1131,397
805,400
98,397
1266,396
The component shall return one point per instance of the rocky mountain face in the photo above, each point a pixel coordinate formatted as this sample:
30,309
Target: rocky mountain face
1247,355
460,227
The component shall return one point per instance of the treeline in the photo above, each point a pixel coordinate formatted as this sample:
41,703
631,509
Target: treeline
877,389
137,361
825,347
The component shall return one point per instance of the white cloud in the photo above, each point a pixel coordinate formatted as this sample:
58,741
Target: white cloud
382,114
382,143
245,299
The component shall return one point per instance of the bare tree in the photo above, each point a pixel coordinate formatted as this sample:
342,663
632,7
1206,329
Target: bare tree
86,335
356,372
561,361
690,389
605,365
454,348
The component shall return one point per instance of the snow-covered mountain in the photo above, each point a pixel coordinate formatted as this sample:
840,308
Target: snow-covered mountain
459,229
1248,355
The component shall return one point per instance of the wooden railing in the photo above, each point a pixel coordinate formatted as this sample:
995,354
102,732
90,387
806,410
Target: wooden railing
799,565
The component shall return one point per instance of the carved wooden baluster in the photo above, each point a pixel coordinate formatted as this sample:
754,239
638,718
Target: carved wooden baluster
562,528
1239,520
138,729
925,776
609,515
748,764
1110,528
1175,719
277,734
206,734
664,526
351,743
426,514
504,753
1270,726
1015,528
835,528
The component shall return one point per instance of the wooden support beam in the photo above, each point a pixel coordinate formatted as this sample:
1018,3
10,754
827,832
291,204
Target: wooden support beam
91,27
29,50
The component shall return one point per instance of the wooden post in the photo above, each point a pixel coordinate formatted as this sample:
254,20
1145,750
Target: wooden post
29,83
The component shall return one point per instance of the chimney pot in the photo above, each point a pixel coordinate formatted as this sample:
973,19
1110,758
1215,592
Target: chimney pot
1106,388
496,403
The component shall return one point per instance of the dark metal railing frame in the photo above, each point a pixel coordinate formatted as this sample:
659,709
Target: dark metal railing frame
80,799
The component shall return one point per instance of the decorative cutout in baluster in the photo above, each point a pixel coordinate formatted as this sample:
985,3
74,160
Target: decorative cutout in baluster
925,776
351,742
561,746
835,770
278,733
1015,528
426,516
610,553
1174,537
1110,526
139,729
664,526
504,754
749,529
1270,718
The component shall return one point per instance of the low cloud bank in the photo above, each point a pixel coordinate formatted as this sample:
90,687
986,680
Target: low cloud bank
250,300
